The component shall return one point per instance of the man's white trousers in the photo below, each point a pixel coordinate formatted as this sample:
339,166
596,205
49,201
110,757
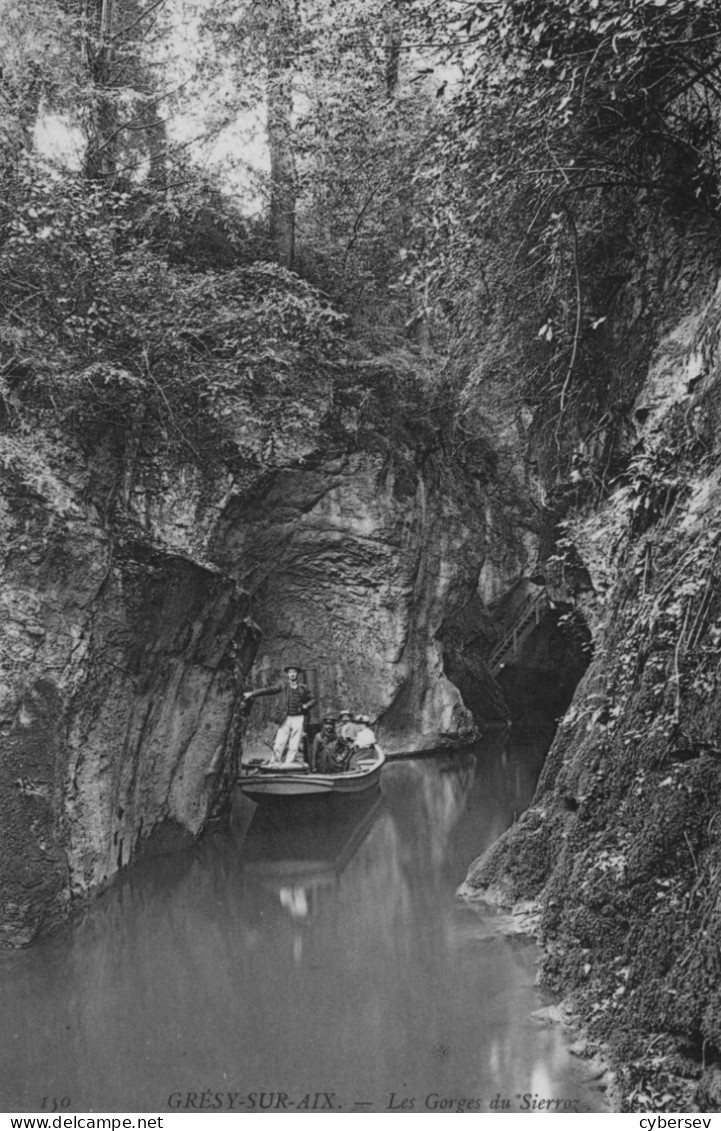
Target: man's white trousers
287,740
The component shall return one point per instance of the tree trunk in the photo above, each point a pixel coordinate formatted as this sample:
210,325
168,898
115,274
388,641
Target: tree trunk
102,124
279,106
417,322
157,142
394,40
19,102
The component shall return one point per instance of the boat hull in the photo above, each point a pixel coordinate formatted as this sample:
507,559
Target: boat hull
264,784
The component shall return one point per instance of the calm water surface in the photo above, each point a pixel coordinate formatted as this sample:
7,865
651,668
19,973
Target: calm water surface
331,957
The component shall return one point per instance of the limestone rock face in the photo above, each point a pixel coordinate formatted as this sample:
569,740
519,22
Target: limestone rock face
352,567
135,592
621,844
118,675
145,587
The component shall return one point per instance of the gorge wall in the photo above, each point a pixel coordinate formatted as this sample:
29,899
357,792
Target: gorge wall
353,566
620,849
139,592
117,662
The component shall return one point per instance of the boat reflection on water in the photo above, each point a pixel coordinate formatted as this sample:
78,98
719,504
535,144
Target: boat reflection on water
296,853
316,842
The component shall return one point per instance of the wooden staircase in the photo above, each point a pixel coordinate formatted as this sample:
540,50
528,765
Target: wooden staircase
528,614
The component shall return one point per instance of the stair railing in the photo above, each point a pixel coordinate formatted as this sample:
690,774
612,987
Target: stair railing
528,614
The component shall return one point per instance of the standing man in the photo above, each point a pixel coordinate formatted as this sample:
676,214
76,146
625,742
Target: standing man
297,702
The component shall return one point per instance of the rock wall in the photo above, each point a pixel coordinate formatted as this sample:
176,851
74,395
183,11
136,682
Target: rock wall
119,668
621,847
353,567
137,589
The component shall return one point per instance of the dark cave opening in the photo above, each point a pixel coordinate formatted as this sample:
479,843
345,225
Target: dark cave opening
539,681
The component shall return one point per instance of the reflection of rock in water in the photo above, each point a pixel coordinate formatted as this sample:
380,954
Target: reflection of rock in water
429,794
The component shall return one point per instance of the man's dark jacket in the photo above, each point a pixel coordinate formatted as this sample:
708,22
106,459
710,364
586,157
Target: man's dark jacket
307,700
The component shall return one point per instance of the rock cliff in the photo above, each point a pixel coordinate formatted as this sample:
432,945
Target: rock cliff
621,846
353,566
138,588
118,669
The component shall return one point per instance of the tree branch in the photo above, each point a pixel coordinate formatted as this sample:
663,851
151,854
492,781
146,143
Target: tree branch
143,15
579,309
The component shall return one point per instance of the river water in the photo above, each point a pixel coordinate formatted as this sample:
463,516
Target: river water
328,961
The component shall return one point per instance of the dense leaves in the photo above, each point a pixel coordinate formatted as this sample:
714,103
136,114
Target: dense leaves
614,89
578,136
95,323
476,179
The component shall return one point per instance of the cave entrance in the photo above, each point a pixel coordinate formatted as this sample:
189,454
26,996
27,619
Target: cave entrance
542,653
520,663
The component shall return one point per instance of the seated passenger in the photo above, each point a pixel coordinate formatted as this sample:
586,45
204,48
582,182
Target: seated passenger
338,757
348,727
365,738
332,753
323,741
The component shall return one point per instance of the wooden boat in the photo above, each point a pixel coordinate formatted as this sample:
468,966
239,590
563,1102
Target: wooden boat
262,781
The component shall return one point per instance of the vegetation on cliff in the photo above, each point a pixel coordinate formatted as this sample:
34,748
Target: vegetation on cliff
140,291
479,180
621,847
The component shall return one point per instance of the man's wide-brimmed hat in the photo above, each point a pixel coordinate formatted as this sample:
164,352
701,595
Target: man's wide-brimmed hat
329,718
292,667
345,711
